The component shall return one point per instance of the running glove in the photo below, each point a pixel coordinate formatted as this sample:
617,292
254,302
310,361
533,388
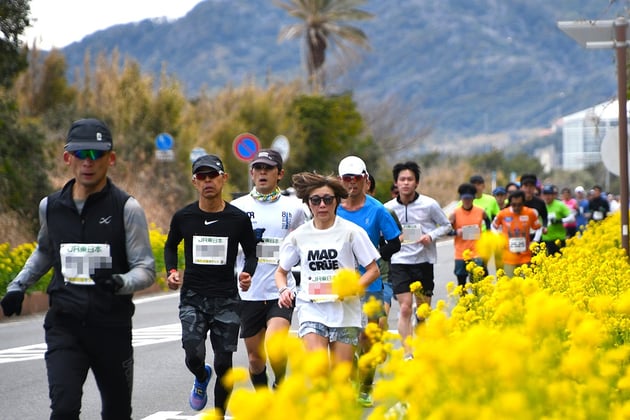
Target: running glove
111,284
12,303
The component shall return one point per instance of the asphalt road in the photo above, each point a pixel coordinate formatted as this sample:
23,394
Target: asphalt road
161,381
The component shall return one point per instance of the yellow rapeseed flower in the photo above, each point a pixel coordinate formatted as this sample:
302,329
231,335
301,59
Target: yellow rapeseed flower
416,288
489,244
345,283
372,308
373,332
234,376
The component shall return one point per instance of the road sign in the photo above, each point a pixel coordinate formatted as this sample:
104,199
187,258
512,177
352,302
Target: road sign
164,141
196,153
281,145
246,146
610,151
165,155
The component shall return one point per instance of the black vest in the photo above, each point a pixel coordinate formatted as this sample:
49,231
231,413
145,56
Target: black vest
100,222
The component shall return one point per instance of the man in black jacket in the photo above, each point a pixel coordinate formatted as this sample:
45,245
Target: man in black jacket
598,206
95,237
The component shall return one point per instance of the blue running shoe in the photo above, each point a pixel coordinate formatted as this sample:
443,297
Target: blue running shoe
198,395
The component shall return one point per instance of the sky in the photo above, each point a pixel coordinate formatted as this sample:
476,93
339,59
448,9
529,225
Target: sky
57,23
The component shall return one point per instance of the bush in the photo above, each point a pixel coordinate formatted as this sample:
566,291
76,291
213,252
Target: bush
11,262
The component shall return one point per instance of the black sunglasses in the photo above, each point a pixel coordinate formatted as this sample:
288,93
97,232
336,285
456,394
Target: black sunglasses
202,176
262,166
316,200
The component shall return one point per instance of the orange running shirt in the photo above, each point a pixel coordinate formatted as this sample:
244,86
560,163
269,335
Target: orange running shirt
471,222
516,228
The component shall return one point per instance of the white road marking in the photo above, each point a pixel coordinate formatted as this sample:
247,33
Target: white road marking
141,337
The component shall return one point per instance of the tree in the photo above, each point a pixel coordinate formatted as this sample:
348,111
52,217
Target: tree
329,129
23,179
322,24
13,21
51,89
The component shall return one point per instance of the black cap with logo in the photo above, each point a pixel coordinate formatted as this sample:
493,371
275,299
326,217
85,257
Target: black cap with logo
89,134
212,162
268,157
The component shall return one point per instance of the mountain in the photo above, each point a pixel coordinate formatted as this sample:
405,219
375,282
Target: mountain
463,67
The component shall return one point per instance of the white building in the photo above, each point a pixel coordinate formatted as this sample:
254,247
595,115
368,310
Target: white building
583,132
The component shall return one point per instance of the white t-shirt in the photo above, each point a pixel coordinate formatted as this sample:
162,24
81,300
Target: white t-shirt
278,218
321,252
422,216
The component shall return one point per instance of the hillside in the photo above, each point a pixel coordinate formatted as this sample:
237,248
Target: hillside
462,67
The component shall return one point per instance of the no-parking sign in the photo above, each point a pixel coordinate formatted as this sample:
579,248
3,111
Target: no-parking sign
246,146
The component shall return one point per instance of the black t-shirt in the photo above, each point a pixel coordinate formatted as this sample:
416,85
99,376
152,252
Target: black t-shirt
539,205
211,243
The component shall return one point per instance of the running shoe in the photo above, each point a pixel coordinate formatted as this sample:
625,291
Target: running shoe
198,395
365,399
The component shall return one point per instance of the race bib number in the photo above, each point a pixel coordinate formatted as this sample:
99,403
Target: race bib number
319,287
209,250
470,232
79,262
411,233
517,245
268,251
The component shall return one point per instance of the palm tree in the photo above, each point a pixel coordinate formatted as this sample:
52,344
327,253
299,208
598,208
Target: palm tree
322,24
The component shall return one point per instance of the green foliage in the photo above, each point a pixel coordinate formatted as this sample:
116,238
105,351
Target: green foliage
523,163
330,128
11,262
13,21
497,161
23,179
53,90
214,122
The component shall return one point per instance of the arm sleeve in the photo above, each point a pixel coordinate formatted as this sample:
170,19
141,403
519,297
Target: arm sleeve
390,232
248,243
486,220
139,253
40,261
389,248
173,239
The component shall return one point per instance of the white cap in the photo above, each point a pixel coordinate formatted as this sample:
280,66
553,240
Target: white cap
352,165
579,189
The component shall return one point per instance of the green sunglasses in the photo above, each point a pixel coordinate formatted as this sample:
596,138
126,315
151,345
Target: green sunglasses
92,154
